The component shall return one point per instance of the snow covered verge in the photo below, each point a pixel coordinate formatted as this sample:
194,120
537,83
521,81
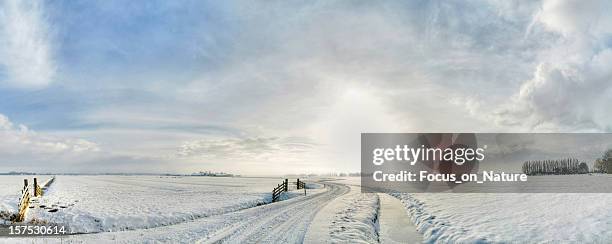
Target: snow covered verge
357,222
10,191
510,218
91,204
351,218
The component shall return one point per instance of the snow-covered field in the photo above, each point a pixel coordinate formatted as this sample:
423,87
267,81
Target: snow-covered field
10,188
511,218
207,209
90,204
281,222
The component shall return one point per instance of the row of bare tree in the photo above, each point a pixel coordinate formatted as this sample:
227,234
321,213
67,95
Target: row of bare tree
604,164
555,167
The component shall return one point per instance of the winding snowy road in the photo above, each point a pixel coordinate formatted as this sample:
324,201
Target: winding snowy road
282,222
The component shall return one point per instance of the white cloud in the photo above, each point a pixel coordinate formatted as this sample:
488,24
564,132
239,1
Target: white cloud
20,140
571,17
23,149
329,71
250,155
257,148
570,87
26,57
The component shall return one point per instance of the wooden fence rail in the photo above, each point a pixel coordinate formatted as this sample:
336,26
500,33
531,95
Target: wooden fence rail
280,188
301,185
284,187
24,202
39,189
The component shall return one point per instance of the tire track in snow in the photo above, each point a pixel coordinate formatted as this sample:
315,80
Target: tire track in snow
282,222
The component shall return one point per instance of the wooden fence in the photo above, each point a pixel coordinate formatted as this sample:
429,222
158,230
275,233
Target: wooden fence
24,200
300,184
284,187
39,189
280,188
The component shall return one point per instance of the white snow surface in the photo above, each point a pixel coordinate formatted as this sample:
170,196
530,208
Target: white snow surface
357,220
136,209
350,218
10,191
10,188
394,223
280,222
152,209
90,204
511,218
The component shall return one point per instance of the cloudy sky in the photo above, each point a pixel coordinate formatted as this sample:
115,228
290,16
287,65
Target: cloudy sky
272,87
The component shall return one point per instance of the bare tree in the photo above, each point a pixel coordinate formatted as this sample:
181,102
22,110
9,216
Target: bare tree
555,167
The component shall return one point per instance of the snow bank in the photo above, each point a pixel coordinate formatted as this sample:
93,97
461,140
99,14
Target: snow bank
434,229
522,218
356,219
10,192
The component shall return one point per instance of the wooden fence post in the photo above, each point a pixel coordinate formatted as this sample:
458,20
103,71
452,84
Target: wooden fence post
286,184
25,184
24,200
35,187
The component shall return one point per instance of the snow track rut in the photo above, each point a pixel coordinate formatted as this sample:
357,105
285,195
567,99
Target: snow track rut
281,222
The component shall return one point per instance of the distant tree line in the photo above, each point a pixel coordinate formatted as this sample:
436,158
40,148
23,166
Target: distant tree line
604,164
555,167
210,173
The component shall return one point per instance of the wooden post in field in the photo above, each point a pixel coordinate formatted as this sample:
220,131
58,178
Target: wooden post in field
286,184
35,187
24,200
